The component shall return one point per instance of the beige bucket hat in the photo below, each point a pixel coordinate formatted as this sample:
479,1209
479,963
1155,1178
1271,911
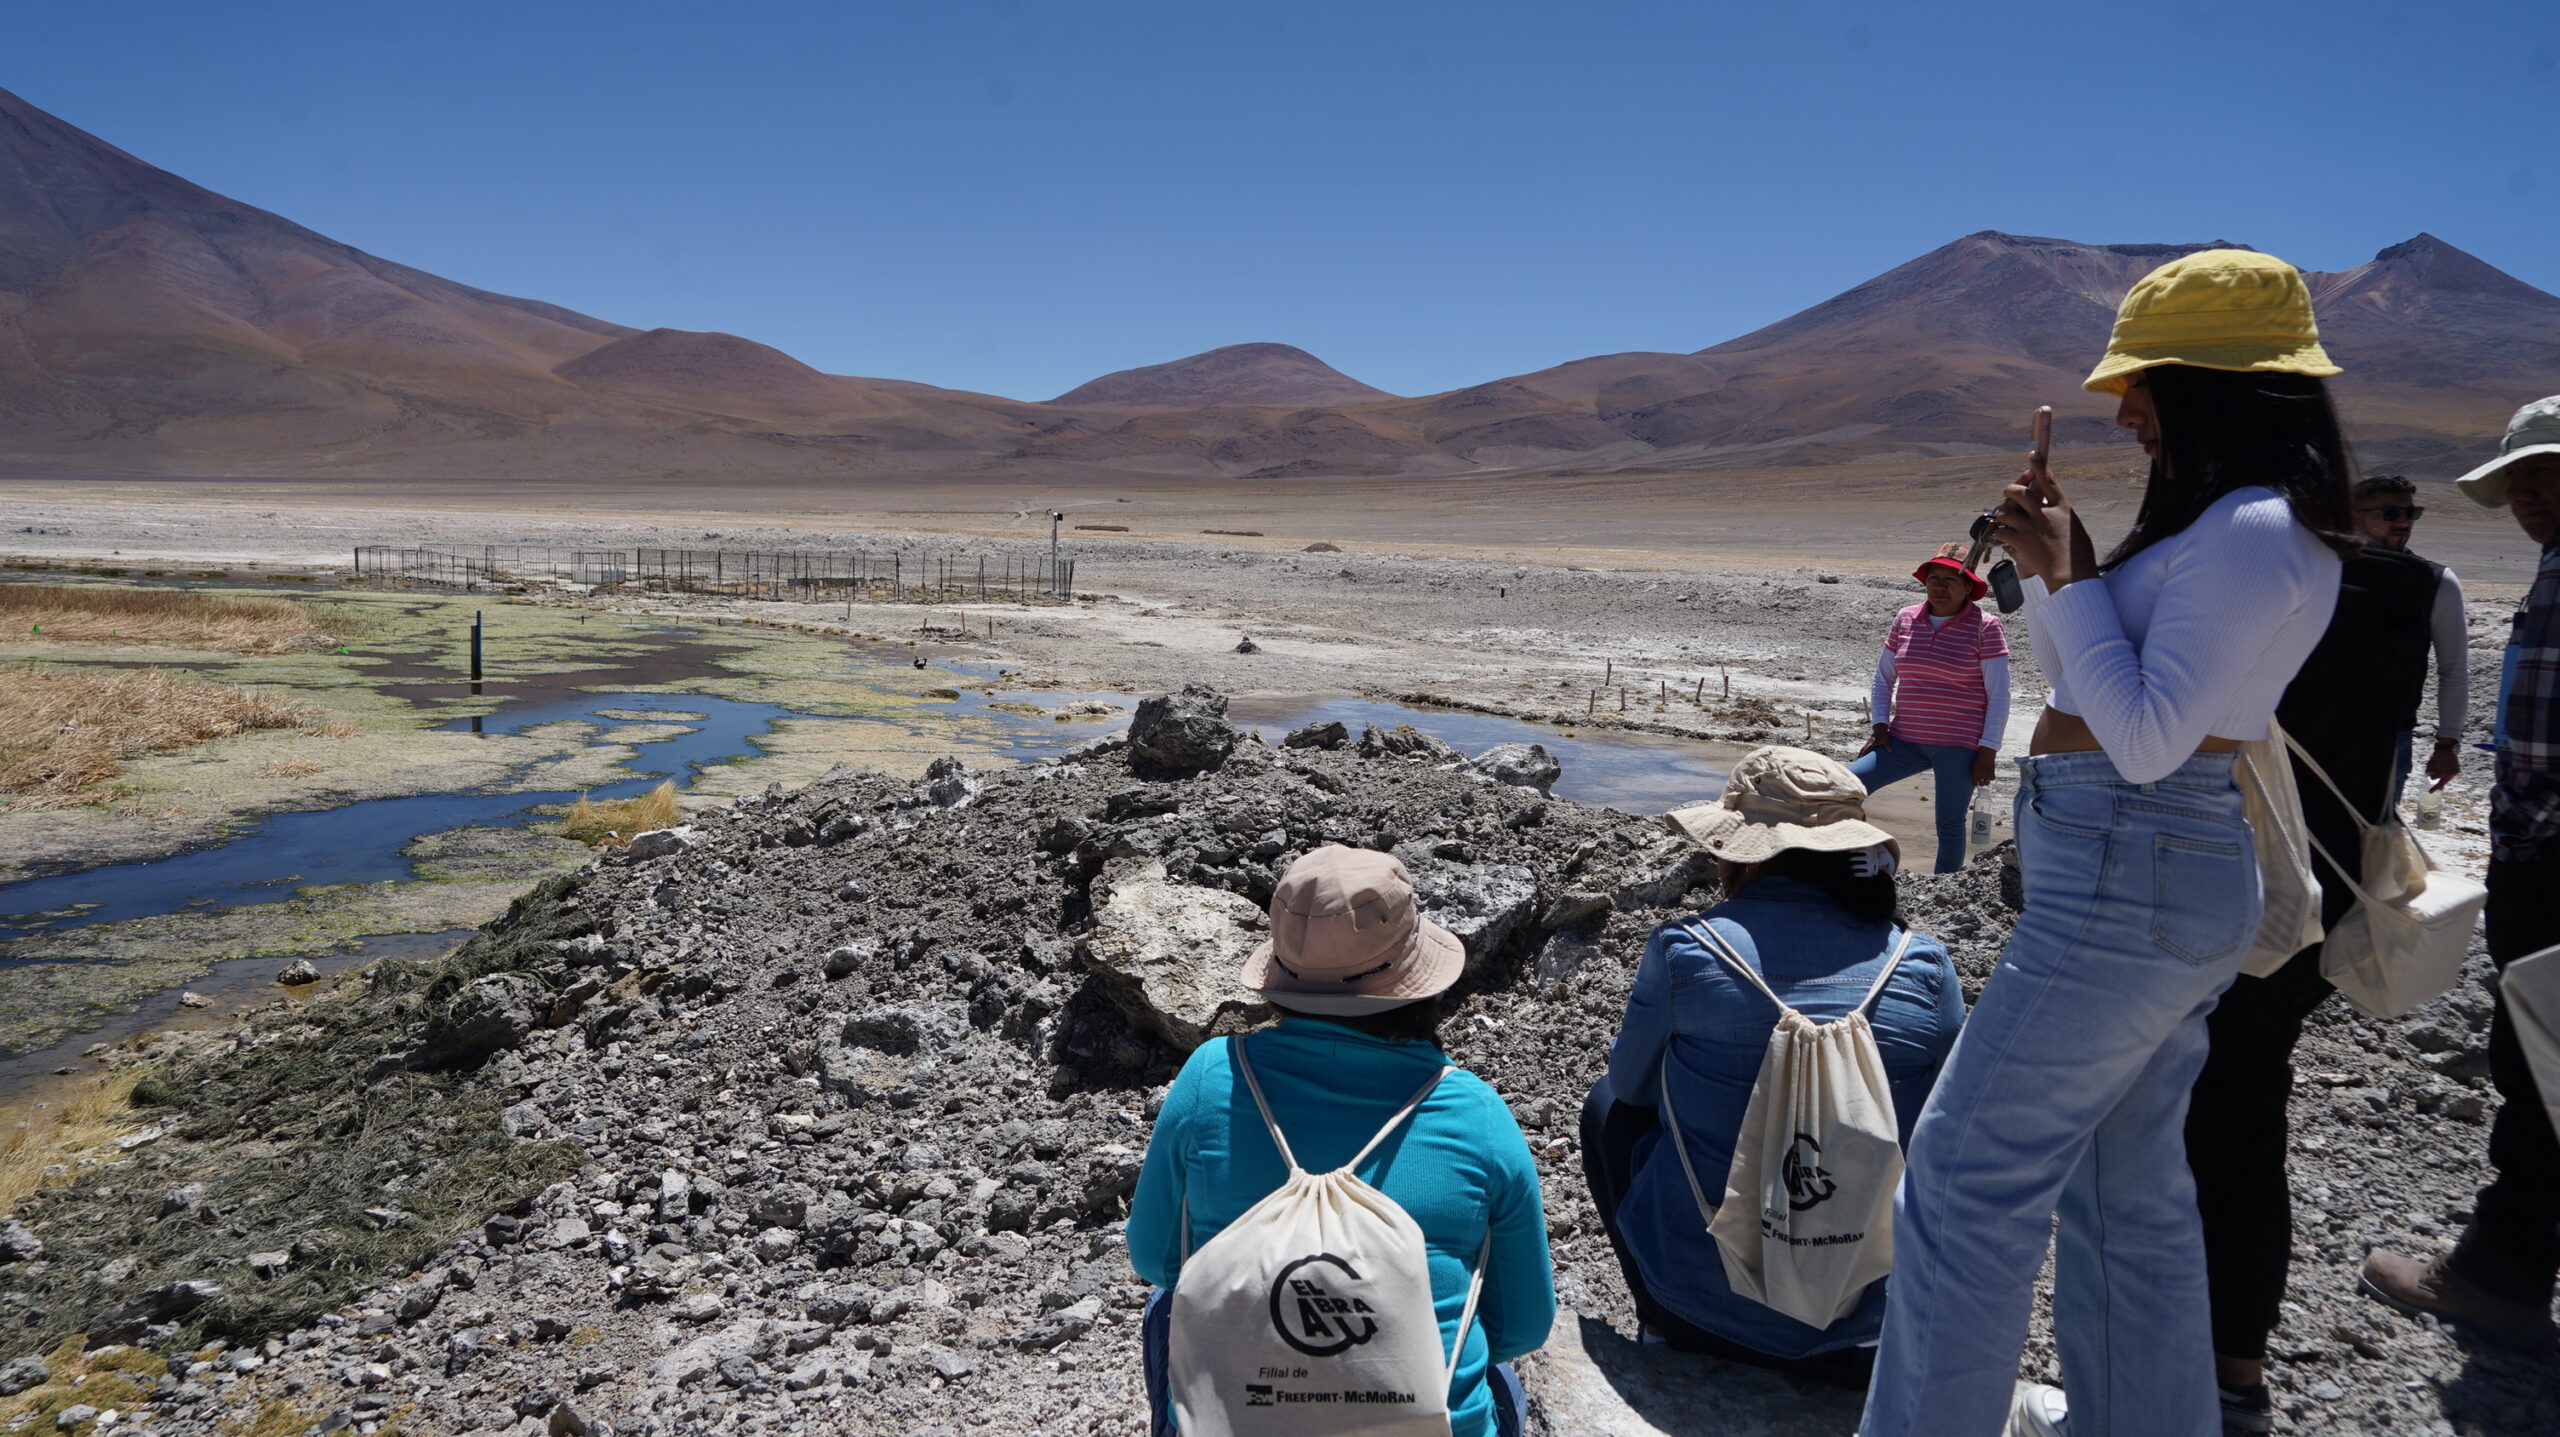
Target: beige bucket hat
1347,938
1780,798
2534,430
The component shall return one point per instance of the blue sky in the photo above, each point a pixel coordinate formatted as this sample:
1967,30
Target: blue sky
1016,197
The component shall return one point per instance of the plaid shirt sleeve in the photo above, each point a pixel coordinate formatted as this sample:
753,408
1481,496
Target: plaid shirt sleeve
2524,811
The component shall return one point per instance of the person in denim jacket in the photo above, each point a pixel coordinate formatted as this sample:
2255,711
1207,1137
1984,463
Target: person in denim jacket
1811,906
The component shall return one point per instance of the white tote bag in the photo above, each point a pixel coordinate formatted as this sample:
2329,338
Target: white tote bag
2394,951
1311,1314
2273,806
1807,1218
2532,988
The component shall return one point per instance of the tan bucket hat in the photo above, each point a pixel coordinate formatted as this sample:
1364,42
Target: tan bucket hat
1347,938
1780,798
2534,430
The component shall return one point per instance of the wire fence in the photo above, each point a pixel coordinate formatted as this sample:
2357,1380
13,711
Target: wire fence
738,573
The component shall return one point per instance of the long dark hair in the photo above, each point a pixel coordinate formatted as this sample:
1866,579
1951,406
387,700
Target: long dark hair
1869,900
2222,430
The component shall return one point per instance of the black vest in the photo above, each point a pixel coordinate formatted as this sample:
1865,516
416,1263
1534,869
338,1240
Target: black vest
2359,691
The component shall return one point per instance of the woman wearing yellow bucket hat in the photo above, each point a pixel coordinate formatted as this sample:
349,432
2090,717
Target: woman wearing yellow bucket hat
2067,1092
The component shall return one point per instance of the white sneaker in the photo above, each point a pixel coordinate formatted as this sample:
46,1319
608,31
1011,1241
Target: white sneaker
2037,1411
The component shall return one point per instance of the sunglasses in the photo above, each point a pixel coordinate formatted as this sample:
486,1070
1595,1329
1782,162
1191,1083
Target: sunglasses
2394,513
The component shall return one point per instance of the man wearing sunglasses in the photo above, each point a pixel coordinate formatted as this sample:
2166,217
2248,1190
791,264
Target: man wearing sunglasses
2386,510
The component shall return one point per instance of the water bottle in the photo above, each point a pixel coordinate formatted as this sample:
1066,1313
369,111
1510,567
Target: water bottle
1981,820
2430,808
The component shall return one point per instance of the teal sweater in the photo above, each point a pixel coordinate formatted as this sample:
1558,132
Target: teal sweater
1459,1167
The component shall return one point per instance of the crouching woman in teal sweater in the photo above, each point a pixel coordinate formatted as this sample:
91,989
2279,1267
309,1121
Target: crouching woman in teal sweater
1358,974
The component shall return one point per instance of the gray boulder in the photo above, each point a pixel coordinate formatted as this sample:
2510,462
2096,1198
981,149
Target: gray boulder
18,1243
22,1374
1479,903
1328,734
489,1015
1063,1326
1167,952
882,1056
659,843
171,1300
1577,907
1522,765
1181,733
1405,741
1590,1382
297,973
948,783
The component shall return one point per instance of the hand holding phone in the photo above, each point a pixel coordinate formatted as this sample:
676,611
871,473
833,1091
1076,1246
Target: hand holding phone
2039,452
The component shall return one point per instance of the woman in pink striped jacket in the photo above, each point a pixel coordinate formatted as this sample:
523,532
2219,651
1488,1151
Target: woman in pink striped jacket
1941,698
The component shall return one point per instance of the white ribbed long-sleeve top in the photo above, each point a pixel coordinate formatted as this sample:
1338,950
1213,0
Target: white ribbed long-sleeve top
2194,637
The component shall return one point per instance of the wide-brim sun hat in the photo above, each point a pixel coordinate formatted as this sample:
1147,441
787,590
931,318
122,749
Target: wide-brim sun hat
2232,309
1941,561
1347,938
2534,430
1781,798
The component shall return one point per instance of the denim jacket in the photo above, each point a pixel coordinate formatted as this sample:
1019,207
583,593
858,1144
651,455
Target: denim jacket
1691,1016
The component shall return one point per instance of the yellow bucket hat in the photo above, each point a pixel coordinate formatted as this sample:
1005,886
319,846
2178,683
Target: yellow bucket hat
2214,309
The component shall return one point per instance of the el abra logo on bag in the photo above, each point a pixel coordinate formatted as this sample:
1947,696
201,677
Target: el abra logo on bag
1316,1308
1311,1315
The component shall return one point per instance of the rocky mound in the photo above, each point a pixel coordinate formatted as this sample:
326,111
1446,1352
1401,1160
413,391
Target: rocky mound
821,1115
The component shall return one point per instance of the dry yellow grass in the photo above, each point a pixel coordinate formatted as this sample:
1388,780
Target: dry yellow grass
240,623
290,768
63,1135
61,734
611,823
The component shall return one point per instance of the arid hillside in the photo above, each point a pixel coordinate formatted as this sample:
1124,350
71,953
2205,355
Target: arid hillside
150,326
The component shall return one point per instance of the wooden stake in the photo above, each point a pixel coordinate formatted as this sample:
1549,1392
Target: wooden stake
1728,681
1701,695
1608,671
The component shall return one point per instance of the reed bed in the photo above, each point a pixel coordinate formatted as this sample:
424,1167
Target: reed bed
62,735
90,614
611,823
60,1136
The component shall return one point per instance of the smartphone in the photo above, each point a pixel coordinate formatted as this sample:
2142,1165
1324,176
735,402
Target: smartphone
2042,449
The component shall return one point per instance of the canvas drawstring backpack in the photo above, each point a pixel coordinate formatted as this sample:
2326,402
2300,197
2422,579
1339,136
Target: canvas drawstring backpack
2403,942
2271,803
2531,985
1312,1313
1807,1218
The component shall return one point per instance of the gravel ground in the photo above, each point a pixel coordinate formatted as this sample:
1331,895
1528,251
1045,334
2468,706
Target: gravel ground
824,1121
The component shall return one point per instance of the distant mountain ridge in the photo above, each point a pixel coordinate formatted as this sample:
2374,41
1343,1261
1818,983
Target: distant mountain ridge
148,324
1268,375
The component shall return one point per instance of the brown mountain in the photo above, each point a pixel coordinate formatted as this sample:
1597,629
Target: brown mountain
146,321
1269,376
1946,356
149,324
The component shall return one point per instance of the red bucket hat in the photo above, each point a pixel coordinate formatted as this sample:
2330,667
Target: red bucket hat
1943,561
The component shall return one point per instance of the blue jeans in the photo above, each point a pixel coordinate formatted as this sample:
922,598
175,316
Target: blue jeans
2403,759
1155,1350
1900,758
2068,1092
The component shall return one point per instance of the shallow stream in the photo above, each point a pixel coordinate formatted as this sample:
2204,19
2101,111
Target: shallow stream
665,724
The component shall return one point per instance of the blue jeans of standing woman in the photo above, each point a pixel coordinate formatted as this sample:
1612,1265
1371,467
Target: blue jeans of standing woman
1900,758
2067,1093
